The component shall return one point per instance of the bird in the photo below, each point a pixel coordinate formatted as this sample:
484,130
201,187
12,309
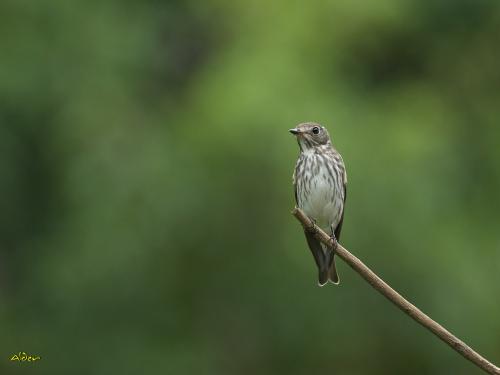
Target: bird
320,184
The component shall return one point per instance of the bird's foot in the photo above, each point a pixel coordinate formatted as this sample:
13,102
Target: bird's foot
335,243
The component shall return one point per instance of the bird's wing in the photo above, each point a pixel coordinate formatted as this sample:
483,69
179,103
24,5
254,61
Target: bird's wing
316,249
339,226
295,190
294,179
322,261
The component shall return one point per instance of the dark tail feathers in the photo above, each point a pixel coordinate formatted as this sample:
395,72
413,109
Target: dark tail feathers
329,271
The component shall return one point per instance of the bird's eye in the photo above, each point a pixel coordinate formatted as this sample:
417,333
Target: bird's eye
315,130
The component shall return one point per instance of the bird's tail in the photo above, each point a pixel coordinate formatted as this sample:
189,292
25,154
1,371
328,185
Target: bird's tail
323,275
328,271
332,274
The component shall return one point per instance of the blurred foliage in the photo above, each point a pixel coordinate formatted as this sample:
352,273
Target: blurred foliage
146,184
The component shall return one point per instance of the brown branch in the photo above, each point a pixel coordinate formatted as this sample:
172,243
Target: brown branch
383,288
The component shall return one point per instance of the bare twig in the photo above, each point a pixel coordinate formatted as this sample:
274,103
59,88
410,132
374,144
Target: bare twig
382,287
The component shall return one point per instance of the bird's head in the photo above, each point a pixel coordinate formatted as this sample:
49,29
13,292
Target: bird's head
310,135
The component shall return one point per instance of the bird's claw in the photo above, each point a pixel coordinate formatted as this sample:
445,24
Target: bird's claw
335,243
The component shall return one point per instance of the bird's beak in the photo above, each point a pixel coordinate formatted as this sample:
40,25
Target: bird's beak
294,131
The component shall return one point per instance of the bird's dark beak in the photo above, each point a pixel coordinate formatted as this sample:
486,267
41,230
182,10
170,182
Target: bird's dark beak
294,131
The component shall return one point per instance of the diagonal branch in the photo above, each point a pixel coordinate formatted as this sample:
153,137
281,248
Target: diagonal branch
383,288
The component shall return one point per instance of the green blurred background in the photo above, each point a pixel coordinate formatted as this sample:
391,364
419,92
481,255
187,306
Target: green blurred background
145,188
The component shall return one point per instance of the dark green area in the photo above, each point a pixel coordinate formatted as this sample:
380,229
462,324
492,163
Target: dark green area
145,184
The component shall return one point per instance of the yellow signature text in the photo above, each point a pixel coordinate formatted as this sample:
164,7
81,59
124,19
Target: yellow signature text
24,357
